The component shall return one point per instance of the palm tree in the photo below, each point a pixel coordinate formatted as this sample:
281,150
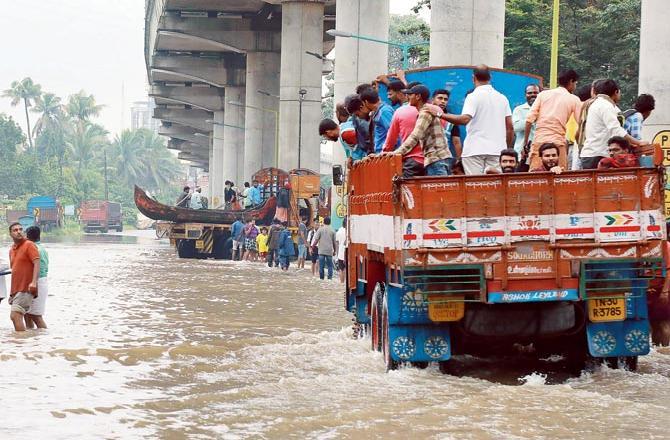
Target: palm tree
161,167
50,131
127,154
51,113
83,140
81,107
27,91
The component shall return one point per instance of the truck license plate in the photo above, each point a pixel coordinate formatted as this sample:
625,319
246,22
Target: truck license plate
199,244
607,309
441,311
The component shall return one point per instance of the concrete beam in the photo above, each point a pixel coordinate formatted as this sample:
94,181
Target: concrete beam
190,118
227,70
185,134
467,32
204,98
213,34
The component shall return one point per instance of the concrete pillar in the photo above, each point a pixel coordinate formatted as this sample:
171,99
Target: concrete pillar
210,161
467,32
233,134
262,111
302,30
216,178
654,65
357,61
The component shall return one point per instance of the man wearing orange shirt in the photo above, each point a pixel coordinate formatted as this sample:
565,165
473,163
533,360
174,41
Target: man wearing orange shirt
24,259
551,112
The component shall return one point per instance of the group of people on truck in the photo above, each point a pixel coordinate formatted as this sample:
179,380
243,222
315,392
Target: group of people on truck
534,136
192,200
417,125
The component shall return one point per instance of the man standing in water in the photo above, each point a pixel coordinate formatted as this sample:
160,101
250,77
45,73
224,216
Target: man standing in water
34,317
24,260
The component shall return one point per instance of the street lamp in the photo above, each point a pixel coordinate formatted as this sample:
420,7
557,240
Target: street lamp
403,46
276,115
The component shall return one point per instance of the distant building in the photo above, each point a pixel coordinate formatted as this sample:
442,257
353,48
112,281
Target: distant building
141,115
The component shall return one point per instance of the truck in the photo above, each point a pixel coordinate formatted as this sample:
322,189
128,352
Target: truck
47,210
101,215
449,265
205,233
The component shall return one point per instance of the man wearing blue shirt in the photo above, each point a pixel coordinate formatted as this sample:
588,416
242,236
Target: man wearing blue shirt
236,233
382,113
255,194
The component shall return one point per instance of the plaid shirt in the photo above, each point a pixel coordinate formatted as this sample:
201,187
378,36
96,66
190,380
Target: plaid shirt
633,125
428,130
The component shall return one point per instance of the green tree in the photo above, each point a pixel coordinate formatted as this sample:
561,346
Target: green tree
127,156
50,111
11,137
161,168
408,29
25,91
82,107
83,140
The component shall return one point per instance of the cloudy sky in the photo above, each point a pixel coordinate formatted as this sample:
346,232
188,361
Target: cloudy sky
70,45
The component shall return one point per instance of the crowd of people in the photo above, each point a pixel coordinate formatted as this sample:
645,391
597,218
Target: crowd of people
533,136
275,245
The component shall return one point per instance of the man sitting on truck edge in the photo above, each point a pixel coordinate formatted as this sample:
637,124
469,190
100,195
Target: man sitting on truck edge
509,160
488,117
549,154
427,131
621,155
184,198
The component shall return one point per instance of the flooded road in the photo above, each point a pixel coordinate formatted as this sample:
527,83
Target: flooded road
143,345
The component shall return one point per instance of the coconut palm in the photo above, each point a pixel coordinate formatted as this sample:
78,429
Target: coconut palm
161,166
81,107
83,140
51,113
27,91
127,156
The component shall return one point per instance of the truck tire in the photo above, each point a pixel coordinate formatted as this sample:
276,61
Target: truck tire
389,362
375,317
186,249
119,228
628,363
223,246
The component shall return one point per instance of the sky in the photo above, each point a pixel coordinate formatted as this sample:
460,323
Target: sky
92,45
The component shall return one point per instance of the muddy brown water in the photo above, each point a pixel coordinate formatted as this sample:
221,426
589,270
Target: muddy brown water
143,345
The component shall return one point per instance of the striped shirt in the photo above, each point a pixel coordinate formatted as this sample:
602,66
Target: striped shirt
428,130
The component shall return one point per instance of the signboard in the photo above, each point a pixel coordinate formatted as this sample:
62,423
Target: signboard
662,138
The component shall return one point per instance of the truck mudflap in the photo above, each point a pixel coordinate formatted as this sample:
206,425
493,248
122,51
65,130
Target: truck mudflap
357,303
419,343
616,301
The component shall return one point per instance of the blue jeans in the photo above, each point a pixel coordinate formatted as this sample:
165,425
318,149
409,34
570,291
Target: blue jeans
323,261
438,168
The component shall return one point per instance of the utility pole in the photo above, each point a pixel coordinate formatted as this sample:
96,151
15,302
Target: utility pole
106,186
301,98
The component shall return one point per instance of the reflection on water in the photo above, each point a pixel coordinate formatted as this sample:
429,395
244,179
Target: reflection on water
142,344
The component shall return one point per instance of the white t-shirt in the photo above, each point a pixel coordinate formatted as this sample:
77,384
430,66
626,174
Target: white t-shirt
601,125
3,285
341,238
486,132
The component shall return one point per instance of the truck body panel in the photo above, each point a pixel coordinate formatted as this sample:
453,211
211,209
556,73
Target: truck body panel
47,210
431,259
101,215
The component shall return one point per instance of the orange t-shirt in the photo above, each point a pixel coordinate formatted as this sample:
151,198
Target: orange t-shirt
21,260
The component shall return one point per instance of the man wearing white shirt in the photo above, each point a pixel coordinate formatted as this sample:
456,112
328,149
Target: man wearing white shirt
4,271
602,123
488,117
519,116
341,239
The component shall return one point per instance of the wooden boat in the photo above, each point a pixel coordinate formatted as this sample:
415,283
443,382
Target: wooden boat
155,210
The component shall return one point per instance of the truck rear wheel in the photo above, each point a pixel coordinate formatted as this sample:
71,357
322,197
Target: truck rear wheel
186,249
375,317
390,363
628,363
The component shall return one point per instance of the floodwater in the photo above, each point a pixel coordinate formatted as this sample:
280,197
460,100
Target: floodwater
143,345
